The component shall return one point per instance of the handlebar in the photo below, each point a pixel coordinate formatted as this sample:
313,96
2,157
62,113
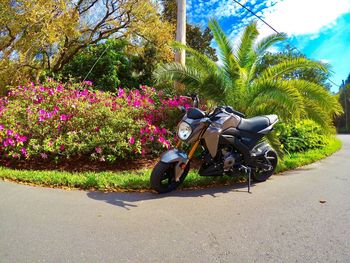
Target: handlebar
194,97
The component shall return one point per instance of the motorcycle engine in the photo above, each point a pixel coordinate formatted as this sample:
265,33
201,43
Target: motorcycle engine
229,159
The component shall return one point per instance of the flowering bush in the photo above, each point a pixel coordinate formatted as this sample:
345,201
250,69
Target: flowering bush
56,120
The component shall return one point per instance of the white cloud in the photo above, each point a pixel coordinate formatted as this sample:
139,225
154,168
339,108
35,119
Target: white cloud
303,17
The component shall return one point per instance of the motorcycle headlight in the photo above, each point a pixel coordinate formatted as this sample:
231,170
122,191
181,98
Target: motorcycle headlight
184,131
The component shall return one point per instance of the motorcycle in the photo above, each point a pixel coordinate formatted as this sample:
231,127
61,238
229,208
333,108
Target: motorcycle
231,144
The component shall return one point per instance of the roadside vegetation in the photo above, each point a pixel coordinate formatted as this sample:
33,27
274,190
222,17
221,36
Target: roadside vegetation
103,91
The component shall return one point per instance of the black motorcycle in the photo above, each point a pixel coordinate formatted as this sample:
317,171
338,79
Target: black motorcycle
230,145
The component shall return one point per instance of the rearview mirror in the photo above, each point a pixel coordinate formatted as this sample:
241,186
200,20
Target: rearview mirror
182,109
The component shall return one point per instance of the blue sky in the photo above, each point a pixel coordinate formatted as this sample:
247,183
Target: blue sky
318,28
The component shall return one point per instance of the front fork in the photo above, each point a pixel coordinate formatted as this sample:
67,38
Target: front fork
180,167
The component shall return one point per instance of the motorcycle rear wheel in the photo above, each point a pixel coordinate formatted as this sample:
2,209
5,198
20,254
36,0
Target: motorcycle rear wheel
163,177
262,175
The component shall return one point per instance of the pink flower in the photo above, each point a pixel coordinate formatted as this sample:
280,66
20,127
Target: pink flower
98,150
121,93
87,82
132,140
62,147
59,88
143,152
43,155
24,152
49,115
41,118
51,92
55,109
9,132
137,103
63,117
1,127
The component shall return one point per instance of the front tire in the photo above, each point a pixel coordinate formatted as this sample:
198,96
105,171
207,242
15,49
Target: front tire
163,177
260,175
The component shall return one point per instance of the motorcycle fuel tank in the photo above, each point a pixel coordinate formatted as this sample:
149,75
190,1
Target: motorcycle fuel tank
223,121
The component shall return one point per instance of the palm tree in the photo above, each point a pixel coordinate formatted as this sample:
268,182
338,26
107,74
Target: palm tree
239,83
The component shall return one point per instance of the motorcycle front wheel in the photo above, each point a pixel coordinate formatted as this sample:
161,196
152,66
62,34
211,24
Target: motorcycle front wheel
163,177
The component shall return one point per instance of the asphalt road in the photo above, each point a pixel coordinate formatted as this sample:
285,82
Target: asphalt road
281,221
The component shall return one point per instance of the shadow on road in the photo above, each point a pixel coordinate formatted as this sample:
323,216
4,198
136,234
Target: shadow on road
129,200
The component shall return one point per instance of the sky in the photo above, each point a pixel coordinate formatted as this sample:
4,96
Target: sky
318,28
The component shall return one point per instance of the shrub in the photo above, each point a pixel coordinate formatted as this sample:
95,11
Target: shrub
301,136
56,120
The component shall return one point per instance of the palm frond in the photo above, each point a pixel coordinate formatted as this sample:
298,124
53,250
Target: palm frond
316,113
319,95
225,50
201,60
282,92
265,43
291,65
215,87
177,72
245,52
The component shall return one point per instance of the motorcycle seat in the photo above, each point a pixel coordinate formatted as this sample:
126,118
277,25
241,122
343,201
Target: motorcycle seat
258,123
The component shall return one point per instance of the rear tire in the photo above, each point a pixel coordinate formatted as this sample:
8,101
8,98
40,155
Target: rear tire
163,177
262,175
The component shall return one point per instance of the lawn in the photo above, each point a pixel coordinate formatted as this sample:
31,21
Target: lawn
138,180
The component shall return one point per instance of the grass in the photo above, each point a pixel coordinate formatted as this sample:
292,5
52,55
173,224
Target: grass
139,180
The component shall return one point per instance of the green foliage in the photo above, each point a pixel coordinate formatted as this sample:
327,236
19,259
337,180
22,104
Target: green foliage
343,121
301,136
113,66
296,160
255,91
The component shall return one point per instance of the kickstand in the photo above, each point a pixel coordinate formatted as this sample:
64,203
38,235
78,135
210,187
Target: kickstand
249,172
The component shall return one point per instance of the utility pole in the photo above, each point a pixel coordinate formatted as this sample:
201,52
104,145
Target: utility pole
180,56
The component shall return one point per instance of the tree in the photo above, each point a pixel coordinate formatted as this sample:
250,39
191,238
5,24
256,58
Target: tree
116,67
195,37
238,82
47,34
343,122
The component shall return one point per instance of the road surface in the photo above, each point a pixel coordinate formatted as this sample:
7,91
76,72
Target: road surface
281,221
